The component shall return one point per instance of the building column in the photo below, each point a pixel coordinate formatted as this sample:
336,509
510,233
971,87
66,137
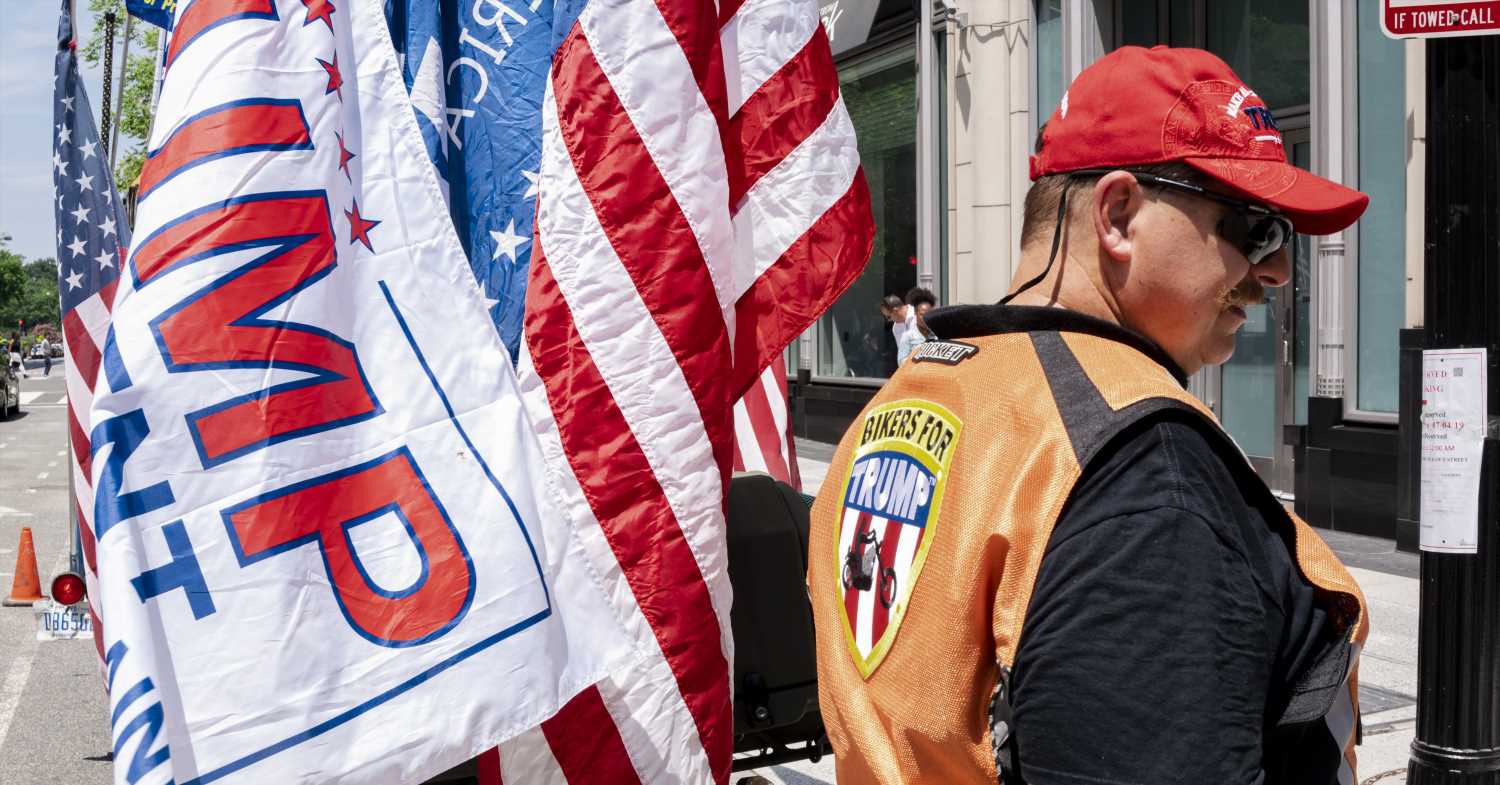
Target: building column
1328,109
928,220
990,132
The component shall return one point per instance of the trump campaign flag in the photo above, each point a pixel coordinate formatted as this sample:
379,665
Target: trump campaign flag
658,195
326,547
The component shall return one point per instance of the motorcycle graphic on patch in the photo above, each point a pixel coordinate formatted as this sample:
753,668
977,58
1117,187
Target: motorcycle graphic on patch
889,504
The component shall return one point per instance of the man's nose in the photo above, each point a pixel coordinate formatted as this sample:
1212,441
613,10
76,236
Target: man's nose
1275,270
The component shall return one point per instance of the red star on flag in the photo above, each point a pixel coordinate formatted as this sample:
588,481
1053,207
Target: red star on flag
335,82
319,10
360,226
344,156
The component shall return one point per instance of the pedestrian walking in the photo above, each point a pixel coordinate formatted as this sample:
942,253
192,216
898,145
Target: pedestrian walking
46,357
1077,577
16,358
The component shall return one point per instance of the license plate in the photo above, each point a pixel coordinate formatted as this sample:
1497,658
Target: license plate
60,622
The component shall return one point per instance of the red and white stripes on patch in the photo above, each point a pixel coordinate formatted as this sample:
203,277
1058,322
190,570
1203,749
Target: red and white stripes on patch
85,329
701,203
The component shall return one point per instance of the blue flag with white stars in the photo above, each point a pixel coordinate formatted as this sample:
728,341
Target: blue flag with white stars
477,74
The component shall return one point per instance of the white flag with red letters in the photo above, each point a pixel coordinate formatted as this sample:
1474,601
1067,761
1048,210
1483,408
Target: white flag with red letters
322,542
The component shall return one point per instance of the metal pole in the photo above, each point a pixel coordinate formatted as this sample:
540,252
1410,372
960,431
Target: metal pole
161,73
109,69
1458,645
114,133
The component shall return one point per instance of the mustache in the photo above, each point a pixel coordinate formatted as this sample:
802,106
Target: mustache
1249,292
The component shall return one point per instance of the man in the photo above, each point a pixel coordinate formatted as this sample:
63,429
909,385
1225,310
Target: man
46,356
1088,583
901,316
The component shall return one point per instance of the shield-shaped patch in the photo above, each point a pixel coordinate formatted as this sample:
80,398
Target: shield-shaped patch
888,518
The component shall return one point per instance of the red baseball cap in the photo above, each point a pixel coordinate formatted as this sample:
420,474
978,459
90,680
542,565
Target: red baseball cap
1136,107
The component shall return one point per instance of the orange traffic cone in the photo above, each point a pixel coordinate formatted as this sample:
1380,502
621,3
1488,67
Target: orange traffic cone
25,588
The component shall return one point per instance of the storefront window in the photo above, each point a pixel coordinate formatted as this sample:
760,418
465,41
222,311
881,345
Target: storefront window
1139,25
1266,43
854,339
1382,229
1049,58
1182,31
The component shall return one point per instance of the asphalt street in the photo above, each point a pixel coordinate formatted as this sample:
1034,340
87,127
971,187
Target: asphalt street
54,717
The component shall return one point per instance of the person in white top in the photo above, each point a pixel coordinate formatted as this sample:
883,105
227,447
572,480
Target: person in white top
918,302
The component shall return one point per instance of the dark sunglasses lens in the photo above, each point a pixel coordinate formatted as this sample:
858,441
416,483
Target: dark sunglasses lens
1267,236
1257,238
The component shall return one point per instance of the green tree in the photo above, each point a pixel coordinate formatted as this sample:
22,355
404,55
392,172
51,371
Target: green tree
28,291
12,284
140,74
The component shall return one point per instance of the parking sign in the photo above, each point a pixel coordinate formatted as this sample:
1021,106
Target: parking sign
1439,18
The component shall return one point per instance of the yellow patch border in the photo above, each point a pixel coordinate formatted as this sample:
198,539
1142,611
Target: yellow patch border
939,467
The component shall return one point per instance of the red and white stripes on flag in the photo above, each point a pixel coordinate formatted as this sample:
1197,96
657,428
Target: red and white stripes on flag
763,439
85,328
701,202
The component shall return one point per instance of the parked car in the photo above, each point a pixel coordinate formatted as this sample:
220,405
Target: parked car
10,386
37,352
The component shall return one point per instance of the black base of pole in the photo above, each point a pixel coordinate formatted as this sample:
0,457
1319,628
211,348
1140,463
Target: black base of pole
1435,765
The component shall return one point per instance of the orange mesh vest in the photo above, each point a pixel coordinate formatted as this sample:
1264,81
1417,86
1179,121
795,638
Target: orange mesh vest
930,528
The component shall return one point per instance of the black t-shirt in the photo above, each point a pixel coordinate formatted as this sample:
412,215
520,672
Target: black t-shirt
1167,628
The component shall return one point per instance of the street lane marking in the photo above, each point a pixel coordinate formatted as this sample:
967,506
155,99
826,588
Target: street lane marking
11,511
61,453
28,397
51,464
42,475
19,672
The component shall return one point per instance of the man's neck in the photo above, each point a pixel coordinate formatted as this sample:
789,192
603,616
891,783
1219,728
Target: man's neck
1067,285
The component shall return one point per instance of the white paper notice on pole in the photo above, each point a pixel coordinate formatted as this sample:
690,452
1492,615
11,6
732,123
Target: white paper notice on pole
1453,428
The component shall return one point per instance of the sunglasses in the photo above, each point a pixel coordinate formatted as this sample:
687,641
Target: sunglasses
1257,232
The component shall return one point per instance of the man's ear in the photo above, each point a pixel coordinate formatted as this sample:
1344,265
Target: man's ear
1117,198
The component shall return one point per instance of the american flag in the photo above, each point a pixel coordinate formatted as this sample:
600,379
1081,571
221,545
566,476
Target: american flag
701,202
92,236
763,440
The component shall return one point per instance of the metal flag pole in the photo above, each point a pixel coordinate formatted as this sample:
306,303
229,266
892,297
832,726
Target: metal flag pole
75,553
161,72
109,68
114,133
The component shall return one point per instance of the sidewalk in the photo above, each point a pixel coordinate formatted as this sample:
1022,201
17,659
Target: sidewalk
1388,668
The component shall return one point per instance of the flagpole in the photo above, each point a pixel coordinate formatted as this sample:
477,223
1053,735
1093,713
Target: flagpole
109,67
114,132
161,73
75,552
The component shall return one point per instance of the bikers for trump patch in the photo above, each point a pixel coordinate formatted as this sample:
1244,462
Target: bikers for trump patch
888,513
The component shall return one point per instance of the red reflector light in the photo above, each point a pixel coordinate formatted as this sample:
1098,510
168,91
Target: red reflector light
68,588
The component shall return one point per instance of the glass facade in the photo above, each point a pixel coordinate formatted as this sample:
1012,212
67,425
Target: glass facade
1248,386
1139,23
1048,56
1266,43
1381,247
854,339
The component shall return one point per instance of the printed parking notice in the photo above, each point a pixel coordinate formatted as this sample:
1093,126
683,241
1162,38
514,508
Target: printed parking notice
1453,428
